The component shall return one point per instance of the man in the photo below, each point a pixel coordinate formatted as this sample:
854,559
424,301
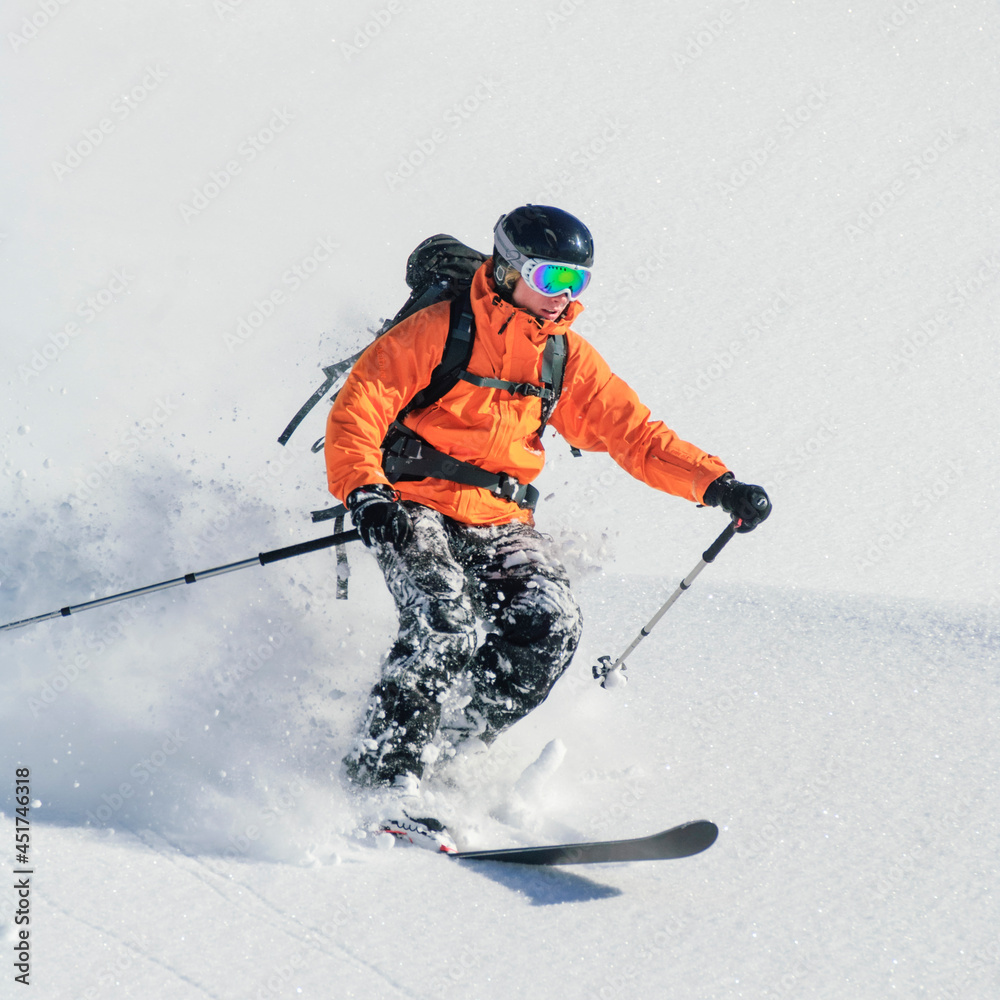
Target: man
456,540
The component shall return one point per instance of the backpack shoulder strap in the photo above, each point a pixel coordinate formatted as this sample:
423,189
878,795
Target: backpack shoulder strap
553,370
457,352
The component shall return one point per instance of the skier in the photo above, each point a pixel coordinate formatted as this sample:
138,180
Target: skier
455,552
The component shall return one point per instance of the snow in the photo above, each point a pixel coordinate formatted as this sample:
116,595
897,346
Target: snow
795,211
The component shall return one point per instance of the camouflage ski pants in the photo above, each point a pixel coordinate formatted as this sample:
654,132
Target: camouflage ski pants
451,583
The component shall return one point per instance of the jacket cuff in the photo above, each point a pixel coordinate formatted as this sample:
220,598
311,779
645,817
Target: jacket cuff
373,493
713,493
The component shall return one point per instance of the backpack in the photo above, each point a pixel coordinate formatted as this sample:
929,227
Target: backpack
439,269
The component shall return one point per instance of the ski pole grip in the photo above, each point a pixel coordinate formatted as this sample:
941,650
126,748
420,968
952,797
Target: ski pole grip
716,547
312,546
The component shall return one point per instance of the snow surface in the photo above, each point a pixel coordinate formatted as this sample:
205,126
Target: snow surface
795,209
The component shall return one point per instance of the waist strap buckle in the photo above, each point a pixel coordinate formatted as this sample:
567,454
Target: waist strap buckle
509,488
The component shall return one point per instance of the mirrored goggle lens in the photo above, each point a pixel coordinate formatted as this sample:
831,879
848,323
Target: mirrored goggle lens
556,279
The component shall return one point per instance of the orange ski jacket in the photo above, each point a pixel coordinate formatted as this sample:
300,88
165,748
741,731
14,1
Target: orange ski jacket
493,428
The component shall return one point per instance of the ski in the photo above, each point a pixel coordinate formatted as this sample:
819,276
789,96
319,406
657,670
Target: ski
678,842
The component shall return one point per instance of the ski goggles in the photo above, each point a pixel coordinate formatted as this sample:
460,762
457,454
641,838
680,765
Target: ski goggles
553,278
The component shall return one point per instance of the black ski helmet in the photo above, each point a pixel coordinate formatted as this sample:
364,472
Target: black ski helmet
540,232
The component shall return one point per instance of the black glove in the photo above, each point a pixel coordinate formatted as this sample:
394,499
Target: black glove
746,503
377,513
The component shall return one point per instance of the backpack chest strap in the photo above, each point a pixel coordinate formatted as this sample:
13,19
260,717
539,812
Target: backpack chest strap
553,362
517,388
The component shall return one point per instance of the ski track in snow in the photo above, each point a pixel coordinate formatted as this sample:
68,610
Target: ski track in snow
152,959
263,910
794,209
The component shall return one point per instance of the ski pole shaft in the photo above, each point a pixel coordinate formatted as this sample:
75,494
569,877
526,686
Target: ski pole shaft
261,559
707,556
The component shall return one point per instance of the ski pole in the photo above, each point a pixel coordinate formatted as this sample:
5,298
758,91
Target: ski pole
604,668
261,559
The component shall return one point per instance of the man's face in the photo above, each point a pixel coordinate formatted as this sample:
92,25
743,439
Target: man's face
549,307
